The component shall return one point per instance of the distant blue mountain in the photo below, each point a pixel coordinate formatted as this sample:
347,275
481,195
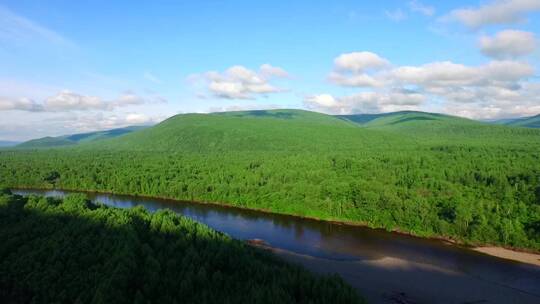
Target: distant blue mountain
8,143
73,139
529,122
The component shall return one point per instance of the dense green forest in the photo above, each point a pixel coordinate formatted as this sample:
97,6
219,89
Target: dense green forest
75,251
427,174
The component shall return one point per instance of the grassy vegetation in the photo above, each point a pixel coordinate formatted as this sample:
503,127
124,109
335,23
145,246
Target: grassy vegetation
74,251
427,174
267,131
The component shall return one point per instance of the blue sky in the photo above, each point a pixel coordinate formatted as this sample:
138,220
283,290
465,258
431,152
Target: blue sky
73,66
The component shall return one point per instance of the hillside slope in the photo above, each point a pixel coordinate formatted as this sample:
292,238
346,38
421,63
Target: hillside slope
271,130
73,139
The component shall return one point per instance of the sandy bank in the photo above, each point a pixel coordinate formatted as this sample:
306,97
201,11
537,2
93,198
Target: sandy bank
392,281
524,257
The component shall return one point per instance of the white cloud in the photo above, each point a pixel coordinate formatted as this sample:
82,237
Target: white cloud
365,102
355,80
137,119
239,82
447,73
23,104
495,103
89,122
25,125
508,44
66,100
322,100
396,15
495,12
356,69
494,88
359,62
269,71
132,99
353,70
418,7
243,107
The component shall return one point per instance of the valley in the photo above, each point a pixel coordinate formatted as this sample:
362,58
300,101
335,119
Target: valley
419,173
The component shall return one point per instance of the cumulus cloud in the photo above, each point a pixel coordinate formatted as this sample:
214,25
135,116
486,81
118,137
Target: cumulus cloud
70,101
137,119
440,74
495,12
89,122
494,103
365,102
22,104
508,44
357,69
239,82
322,100
355,80
66,100
243,107
418,7
359,62
503,86
365,69
27,125
269,71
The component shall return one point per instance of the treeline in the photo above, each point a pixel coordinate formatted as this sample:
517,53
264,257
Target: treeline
74,251
477,193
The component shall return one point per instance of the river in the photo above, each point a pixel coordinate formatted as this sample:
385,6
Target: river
385,267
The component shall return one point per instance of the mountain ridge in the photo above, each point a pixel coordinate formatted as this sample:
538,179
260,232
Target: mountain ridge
417,122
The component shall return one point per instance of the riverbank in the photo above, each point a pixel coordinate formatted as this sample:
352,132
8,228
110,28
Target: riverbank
392,280
523,255
519,256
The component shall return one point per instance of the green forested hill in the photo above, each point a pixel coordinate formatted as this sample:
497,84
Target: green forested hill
74,251
272,130
67,140
427,174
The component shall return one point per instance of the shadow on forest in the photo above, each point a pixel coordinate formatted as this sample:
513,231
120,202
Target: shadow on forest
74,251
264,113
417,118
